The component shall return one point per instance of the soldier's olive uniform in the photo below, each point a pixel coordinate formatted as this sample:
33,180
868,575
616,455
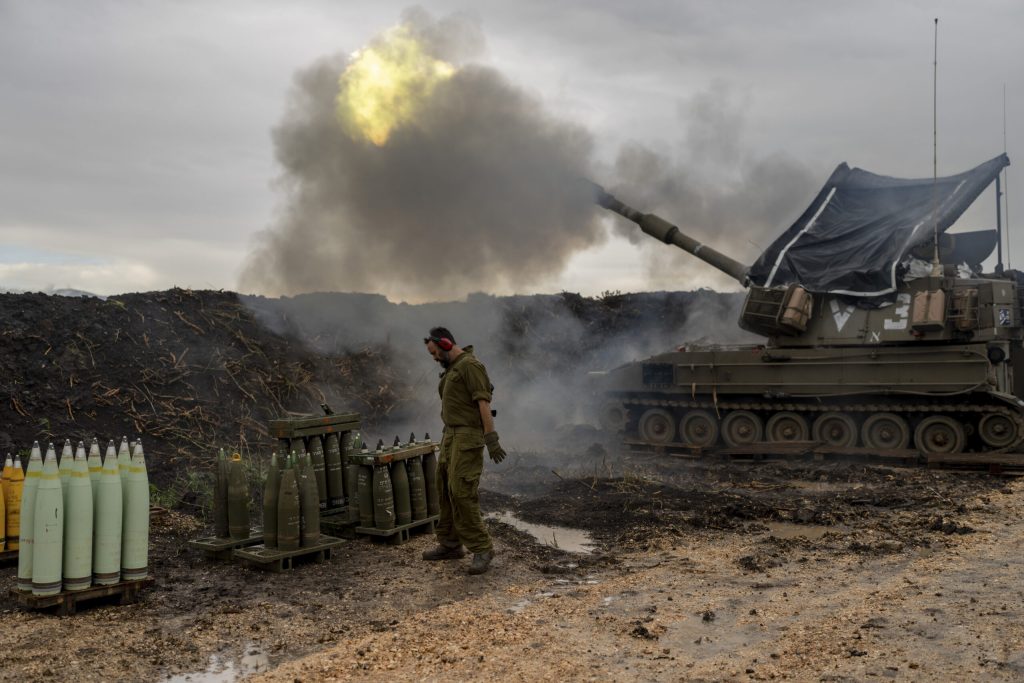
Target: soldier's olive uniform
462,454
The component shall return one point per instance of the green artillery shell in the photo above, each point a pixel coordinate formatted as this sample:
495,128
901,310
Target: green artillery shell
350,442
417,489
78,526
400,487
309,501
238,499
66,465
288,523
316,453
298,445
335,473
124,457
220,497
430,477
270,491
95,466
48,530
364,493
352,490
27,525
135,539
107,523
383,498
301,474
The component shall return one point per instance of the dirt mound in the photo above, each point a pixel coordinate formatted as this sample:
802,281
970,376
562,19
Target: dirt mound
185,370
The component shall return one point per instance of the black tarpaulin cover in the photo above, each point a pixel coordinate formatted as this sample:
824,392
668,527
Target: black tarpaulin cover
861,225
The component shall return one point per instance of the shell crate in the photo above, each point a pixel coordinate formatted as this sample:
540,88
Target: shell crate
67,602
277,560
221,548
297,428
390,455
400,534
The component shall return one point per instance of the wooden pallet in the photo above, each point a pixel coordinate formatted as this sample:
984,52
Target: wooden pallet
336,523
400,534
8,556
221,548
67,602
278,560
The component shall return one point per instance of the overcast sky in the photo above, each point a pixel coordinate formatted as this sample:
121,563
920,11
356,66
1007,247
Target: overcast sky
135,149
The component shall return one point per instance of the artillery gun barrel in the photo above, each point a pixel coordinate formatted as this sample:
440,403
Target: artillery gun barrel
660,229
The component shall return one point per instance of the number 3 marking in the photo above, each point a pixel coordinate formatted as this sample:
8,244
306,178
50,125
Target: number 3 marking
902,312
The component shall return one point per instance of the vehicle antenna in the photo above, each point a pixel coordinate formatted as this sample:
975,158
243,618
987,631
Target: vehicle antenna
936,265
1006,191
999,200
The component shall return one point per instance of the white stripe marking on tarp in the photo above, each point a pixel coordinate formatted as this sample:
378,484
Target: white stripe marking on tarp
775,268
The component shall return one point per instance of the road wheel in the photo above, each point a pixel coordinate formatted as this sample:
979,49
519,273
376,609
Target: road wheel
657,426
613,416
939,434
698,428
742,427
885,431
786,426
835,429
998,430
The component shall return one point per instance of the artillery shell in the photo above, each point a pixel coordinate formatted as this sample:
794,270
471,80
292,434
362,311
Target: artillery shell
271,488
417,489
316,454
383,498
288,516
108,511
135,539
48,530
430,479
400,488
78,520
26,518
238,499
335,473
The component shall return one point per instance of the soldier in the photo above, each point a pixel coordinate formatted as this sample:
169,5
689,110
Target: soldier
468,425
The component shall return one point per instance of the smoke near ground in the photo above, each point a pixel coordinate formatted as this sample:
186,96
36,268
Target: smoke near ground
539,350
475,189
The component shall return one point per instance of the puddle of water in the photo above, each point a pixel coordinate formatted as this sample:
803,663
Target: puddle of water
811,532
217,671
222,669
563,538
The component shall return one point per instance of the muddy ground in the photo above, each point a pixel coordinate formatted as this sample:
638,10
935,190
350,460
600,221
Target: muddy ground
699,571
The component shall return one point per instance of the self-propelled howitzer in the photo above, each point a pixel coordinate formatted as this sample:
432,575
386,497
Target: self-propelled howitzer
872,345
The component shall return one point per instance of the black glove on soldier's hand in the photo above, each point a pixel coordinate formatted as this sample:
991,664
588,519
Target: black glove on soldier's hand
494,449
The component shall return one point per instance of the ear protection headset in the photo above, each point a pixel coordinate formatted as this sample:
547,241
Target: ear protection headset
443,343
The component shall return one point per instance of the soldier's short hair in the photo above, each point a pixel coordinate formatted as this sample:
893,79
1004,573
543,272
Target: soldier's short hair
442,333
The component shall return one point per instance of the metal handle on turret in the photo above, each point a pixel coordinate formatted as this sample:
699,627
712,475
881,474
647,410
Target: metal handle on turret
660,229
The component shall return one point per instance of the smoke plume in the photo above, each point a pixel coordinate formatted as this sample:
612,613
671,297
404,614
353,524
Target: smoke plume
462,182
712,189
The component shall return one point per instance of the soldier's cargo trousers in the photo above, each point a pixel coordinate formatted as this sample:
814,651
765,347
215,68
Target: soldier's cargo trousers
458,480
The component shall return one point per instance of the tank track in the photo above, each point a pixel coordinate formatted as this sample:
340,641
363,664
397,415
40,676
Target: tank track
921,408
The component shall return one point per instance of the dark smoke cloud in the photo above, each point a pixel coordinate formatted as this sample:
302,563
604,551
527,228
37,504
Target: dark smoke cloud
478,193
712,189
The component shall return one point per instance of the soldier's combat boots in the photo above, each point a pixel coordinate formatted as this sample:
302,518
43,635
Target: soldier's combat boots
443,552
481,562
